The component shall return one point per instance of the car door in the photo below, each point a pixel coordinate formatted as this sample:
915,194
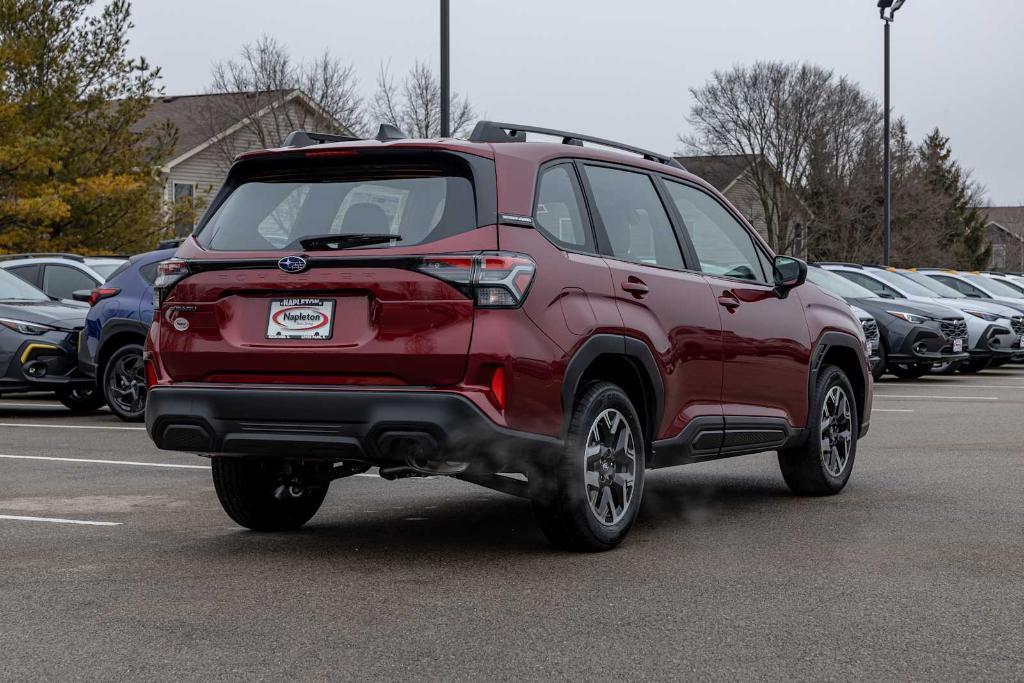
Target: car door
665,305
766,342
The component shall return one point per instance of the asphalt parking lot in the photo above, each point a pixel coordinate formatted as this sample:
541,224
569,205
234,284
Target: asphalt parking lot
116,561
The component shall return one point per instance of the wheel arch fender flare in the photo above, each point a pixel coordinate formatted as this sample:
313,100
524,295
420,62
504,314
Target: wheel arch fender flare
116,327
640,357
830,340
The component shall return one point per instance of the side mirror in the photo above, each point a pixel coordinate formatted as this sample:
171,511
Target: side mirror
789,272
81,295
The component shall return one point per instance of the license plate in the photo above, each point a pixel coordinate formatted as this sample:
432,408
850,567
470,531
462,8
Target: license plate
958,345
869,347
300,319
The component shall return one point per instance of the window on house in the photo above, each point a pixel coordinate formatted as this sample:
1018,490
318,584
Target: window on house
184,208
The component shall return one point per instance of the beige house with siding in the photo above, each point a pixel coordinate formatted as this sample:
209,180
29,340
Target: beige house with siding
1004,232
214,129
731,175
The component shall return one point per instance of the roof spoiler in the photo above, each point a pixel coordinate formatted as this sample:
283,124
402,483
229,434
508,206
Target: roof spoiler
304,138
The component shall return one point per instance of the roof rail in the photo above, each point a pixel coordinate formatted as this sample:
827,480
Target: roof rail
493,131
838,263
55,254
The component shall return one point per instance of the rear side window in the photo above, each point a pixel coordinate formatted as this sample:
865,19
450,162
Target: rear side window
417,202
559,212
960,286
148,272
30,274
634,218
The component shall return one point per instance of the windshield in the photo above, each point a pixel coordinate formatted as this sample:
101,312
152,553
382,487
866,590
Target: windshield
905,284
937,288
416,203
837,284
13,287
994,287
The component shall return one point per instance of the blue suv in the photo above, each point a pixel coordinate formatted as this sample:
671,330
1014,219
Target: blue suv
110,349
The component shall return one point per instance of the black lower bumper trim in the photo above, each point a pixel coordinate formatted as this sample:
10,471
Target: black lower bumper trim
380,427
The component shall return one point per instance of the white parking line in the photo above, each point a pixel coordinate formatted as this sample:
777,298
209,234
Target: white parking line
56,520
107,462
127,462
931,385
47,426
4,404
891,410
946,398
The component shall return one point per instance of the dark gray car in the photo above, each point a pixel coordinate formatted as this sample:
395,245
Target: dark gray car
39,345
914,336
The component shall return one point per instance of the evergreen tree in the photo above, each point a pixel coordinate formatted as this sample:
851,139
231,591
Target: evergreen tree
75,174
961,225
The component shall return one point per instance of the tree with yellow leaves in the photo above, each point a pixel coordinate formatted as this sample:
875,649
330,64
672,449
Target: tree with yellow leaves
75,173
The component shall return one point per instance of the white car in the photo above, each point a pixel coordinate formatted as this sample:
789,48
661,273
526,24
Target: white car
993,329
61,275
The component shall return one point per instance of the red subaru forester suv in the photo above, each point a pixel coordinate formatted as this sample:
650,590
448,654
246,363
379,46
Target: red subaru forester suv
546,319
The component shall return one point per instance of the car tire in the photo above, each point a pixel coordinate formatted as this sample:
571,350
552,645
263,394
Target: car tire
124,383
246,489
946,368
833,417
588,503
879,370
81,400
909,371
971,367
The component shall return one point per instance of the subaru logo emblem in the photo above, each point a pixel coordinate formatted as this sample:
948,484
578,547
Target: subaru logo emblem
292,264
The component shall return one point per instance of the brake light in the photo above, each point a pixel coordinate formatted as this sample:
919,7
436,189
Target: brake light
320,154
100,293
150,373
168,274
493,280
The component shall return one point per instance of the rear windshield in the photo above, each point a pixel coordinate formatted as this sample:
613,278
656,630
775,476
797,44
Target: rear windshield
417,203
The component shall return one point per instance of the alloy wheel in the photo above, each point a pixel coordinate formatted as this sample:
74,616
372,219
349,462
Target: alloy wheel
835,431
610,467
127,384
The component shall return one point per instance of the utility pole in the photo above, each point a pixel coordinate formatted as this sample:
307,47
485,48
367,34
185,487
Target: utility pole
446,99
888,156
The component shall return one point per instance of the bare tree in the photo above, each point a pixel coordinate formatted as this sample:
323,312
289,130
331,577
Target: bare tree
772,113
414,105
272,95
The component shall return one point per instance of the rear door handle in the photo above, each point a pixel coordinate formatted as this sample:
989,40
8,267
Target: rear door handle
636,287
729,300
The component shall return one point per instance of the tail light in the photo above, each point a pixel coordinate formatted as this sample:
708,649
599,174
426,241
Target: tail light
168,273
492,280
100,293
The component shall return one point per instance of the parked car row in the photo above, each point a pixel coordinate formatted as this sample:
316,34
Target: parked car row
933,320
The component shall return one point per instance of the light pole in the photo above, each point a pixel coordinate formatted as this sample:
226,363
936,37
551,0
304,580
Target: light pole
887,10
445,69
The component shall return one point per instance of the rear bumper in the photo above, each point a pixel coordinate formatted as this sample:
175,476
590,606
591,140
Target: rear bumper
376,426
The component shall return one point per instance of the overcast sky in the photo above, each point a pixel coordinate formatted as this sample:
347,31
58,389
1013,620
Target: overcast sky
621,69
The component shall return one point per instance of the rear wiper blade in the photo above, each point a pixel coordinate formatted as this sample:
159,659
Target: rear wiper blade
344,241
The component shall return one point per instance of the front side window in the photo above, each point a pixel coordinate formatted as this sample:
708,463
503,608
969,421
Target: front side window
878,288
62,281
960,286
723,245
634,219
558,212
